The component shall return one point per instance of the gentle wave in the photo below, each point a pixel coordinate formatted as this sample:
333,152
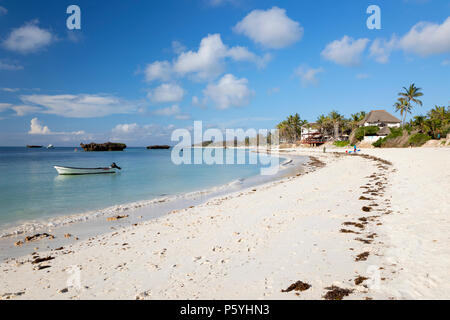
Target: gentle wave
54,222
32,226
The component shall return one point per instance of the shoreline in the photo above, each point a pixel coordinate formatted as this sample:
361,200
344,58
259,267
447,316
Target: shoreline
32,225
92,223
360,223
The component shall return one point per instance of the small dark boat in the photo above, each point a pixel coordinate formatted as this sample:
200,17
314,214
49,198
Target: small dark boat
163,147
33,147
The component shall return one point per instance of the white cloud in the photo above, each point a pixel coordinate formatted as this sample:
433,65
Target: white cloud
307,75
9,66
427,38
5,106
206,63
446,62
178,47
3,10
28,38
38,129
196,102
169,111
81,105
141,134
381,49
271,28
182,116
10,89
127,128
174,111
229,92
346,51
166,92
158,70
23,110
243,54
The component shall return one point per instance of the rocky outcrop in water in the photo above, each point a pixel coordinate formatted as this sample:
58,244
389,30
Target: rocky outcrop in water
163,147
108,146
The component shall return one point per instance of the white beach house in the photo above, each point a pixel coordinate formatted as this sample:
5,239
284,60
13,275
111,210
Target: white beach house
311,134
310,129
382,119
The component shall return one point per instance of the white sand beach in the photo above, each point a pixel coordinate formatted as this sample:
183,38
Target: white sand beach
252,244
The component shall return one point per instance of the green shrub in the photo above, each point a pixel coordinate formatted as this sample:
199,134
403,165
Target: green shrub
379,143
395,133
341,143
446,131
408,128
206,143
418,139
366,131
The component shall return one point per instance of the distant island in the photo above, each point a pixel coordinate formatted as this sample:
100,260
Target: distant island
163,147
108,146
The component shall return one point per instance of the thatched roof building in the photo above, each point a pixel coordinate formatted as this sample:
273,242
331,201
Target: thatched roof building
380,118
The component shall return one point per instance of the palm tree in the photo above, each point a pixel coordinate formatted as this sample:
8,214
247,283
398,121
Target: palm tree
439,113
419,123
295,124
321,120
335,119
404,107
283,130
291,128
355,118
409,95
440,118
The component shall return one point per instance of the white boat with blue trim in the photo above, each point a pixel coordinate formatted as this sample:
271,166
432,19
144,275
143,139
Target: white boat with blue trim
81,171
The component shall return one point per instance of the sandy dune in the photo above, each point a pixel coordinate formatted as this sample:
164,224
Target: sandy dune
313,228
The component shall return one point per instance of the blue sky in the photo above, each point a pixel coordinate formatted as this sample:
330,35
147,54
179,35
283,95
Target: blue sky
138,69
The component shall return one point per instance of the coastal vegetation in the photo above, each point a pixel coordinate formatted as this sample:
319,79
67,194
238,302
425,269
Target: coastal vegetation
389,139
290,130
407,98
332,125
341,144
436,123
361,132
343,131
418,139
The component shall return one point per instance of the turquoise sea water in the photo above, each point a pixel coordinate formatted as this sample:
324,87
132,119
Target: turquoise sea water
30,187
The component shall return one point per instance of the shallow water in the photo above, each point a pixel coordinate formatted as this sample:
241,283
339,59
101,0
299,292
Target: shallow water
30,188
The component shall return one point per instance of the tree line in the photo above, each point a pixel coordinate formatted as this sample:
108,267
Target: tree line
332,125
436,123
